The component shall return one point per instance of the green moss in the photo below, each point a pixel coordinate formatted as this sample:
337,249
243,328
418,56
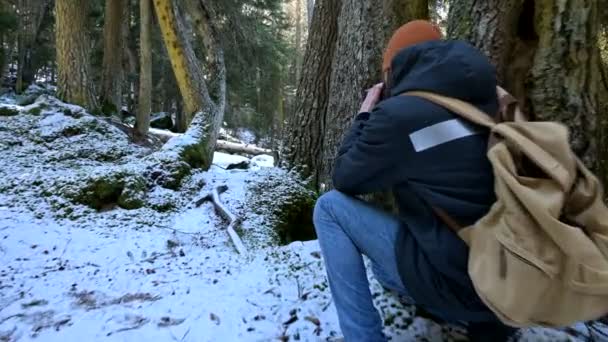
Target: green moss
133,194
195,156
122,189
35,111
101,192
163,207
288,204
294,218
71,131
172,174
6,111
108,108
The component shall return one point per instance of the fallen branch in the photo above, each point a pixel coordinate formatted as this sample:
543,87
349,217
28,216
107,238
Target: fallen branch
233,220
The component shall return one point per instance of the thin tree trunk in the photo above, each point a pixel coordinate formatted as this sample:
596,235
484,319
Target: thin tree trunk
298,44
304,140
364,29
145,73
75,82
113,47
546,55
23,18
31,15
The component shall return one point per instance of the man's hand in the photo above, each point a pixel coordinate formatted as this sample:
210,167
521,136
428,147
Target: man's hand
372,98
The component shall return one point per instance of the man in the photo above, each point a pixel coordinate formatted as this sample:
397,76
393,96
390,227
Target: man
429,158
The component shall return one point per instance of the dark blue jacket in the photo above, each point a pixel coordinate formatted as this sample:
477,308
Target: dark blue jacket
381,153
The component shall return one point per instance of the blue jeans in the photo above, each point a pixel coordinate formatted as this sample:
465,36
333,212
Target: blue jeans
347,228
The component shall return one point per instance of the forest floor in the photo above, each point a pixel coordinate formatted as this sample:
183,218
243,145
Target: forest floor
71,273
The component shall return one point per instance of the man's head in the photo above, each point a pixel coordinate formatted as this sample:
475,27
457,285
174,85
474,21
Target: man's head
412,33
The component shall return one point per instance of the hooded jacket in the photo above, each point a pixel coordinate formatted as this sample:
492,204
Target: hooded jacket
428,156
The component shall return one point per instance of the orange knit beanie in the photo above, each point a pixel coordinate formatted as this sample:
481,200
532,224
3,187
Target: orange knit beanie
414,32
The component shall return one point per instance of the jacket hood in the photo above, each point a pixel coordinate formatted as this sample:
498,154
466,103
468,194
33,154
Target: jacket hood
450,68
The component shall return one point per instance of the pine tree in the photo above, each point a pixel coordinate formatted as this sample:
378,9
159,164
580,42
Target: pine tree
74,81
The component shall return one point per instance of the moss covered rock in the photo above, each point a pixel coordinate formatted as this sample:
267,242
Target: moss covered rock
168,173
285,203
117,188
8,111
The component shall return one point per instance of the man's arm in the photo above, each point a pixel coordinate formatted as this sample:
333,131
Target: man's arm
371,156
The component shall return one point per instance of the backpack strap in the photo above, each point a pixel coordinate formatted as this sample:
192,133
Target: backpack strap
464,109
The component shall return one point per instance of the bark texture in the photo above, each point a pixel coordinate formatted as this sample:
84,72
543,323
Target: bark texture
546,55
74,79
113,47
364,28
145,68
304,140
204,116
186,67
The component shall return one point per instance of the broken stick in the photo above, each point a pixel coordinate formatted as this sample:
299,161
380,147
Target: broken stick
233,220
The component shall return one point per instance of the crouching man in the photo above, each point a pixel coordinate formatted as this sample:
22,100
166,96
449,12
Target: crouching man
427,157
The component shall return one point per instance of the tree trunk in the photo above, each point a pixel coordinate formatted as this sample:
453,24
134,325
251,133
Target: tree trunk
203,16
205,117
304,140
113,47
546,55
310,8
23,18
364,30
31,15
75,82
187,70
144,105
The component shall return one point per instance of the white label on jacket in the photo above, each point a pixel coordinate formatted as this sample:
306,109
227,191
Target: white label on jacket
442,133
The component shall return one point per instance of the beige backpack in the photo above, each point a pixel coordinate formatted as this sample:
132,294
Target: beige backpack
540,256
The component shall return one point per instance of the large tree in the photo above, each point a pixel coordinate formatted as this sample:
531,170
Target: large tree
202,113
74,81
329,94
364,30
304,136
547,55
113,47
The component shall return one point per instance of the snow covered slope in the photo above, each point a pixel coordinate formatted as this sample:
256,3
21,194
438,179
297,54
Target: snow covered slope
72,273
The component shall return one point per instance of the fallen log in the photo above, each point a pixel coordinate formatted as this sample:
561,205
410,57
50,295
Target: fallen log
233,220
227,146
222,145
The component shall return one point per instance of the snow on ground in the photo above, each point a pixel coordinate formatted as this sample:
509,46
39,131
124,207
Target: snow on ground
135,275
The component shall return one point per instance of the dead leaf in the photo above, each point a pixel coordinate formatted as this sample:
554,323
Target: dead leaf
214,318
313,320
168,321
291,320
37,302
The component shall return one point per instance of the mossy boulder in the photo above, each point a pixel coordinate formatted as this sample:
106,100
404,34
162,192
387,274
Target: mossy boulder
285,202
168,173
118,188
133,195
8,111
